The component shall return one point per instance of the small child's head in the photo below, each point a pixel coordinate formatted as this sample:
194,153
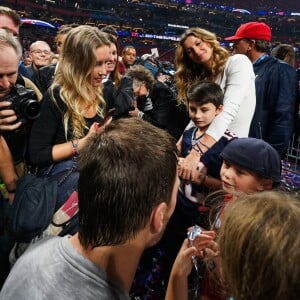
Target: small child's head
258,233
249,165
205,102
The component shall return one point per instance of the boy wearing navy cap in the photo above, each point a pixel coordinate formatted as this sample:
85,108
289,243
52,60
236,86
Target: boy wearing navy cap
249,165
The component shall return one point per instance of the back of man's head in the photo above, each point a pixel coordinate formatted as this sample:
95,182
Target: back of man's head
125,172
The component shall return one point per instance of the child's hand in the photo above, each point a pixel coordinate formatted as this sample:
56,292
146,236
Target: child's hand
203,240
183,263
211,250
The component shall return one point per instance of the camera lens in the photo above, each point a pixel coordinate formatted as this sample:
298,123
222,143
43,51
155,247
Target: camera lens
31,109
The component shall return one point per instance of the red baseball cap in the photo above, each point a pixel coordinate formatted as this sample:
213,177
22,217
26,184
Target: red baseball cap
252,30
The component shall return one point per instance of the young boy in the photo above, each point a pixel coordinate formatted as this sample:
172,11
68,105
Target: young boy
205,101
249,165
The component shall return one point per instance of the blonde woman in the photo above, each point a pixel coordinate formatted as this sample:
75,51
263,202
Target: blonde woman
74,106
199,56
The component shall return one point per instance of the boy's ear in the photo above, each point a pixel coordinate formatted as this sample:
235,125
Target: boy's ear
265,185
219,109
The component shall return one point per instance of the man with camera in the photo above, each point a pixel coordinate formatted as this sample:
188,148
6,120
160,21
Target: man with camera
17,107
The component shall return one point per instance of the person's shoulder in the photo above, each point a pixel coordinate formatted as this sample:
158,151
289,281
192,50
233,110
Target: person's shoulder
39,249
284,66
47,68
238,62
238,58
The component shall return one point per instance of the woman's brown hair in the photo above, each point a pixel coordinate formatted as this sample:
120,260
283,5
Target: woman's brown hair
188,72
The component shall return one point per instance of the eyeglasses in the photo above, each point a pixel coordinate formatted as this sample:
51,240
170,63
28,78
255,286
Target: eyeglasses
46,52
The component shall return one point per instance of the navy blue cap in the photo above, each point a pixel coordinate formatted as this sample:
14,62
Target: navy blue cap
254,155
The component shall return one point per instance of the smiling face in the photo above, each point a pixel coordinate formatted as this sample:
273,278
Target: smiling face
203,115
40,53
237,180
197,50
129,57
111,64
99,71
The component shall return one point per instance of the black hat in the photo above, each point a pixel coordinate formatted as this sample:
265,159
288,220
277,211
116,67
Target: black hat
254,155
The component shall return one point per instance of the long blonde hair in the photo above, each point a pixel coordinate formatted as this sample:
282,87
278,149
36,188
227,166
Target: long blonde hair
188,72
74,76
259,245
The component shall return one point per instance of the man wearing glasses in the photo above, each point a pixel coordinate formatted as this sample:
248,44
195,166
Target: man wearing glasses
40,54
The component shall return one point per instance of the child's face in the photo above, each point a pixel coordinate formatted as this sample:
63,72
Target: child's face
203,115
237,180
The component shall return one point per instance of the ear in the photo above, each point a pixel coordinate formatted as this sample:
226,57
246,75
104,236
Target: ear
158,218
219,109
265,185
251,45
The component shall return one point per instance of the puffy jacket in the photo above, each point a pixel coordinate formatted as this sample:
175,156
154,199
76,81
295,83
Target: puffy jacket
276,99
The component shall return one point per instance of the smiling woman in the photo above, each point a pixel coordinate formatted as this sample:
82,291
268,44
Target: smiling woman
199,57
74,102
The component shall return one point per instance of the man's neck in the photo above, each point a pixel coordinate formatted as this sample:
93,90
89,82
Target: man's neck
255,56
119,262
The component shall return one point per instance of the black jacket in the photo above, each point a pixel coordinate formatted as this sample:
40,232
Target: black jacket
119,98
164,113
44,77
276,99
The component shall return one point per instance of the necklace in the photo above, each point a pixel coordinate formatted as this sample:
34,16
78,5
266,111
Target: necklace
194,139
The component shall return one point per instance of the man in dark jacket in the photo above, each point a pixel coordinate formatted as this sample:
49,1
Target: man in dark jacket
276,87
45,75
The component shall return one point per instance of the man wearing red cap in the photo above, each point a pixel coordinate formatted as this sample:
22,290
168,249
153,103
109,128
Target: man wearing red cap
276,86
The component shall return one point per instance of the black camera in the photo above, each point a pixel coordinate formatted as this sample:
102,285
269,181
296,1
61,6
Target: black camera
24,102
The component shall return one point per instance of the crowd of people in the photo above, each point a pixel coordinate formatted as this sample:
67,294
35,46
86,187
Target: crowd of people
177,177
142,17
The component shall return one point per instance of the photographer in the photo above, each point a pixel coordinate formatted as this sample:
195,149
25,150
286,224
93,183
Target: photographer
154,99
14,102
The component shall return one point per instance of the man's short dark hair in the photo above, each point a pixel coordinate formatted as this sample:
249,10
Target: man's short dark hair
204,92
124,173
262,46
126,48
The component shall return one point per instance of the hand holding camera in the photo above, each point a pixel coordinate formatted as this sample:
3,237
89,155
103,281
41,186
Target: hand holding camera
8,118
20,106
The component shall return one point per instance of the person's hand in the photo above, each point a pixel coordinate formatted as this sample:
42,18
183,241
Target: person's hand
211,250
204,240
134,113
8,117
183,264
188,167
95,128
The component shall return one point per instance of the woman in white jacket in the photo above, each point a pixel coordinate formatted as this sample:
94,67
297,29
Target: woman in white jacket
199,56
